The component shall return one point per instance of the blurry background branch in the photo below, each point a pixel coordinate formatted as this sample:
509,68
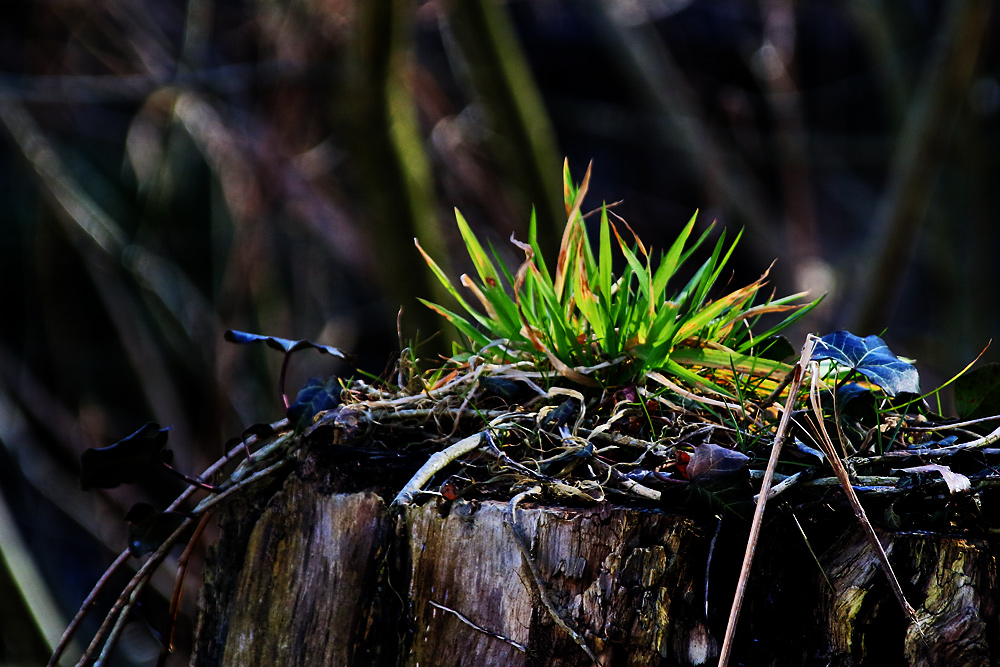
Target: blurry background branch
923,141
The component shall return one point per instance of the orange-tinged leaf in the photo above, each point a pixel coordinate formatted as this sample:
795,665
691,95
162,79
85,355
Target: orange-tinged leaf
445,380
474,288
571,238
764,309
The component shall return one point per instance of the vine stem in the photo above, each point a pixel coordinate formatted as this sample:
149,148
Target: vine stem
88,603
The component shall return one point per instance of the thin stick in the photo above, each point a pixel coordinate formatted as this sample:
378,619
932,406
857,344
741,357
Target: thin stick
125,601
616,478
758,517
520,647
137,582
435,464
92,597
167,647
859,511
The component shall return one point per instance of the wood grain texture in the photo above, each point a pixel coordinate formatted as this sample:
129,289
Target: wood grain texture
304,586
322,578
950,581
631,581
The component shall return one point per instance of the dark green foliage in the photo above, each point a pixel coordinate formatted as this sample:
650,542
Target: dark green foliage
856,400
871,357
505,388
775,348
316,396
148,528
125,461
977,393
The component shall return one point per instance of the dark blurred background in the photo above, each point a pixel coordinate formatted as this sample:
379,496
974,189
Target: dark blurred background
172,169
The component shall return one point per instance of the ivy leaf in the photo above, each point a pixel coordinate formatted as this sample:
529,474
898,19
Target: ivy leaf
977,393
125,461
857,401
283,344
316,396
775,348
148,528
871,357
510,390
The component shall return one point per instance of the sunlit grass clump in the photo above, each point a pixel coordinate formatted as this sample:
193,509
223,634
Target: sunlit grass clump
585,323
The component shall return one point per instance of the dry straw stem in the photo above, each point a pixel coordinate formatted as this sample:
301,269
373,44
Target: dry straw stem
437,462
758,517
838,468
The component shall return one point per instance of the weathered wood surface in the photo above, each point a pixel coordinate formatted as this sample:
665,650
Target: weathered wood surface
304,579
950,581
618,575
322,578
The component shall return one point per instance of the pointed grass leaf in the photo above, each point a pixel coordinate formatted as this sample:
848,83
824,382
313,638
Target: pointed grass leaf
148,528
283,344
588,304
672,260
638,270
536,249
705,314
801,311
126,461
470,285
728,360
605,279
977,393
871,357
446,283
459,322
484,266
569,190
315,396
694,379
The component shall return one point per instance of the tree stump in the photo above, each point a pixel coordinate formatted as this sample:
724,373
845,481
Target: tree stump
316,576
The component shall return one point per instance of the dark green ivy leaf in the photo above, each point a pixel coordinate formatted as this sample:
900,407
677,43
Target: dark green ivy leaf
857,401
125,461
775,348
282,344
977,393
871,357
148,528
510,390
316,396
